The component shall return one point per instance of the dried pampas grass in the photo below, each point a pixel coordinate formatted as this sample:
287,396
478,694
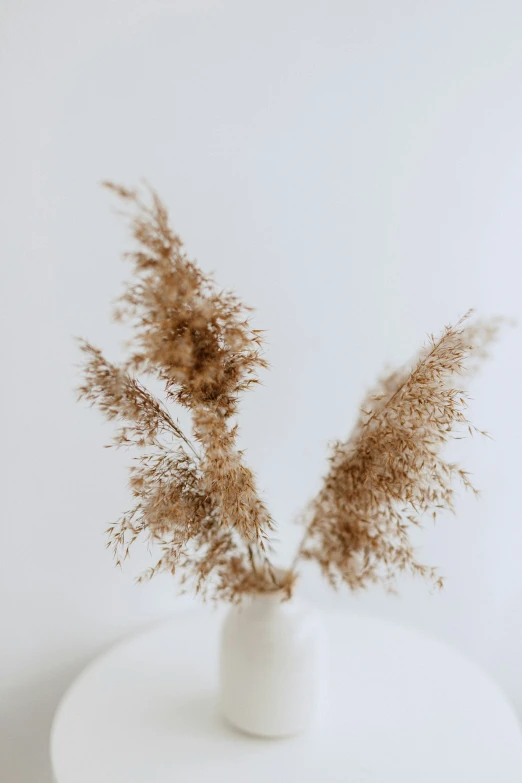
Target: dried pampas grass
196,500
392,472
194,497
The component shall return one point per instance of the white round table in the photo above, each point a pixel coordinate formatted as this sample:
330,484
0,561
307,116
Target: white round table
403,708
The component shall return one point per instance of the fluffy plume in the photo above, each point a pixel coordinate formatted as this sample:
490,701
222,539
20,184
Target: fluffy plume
195,497
392,471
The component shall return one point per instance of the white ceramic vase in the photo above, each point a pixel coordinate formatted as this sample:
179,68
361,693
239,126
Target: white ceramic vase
272,667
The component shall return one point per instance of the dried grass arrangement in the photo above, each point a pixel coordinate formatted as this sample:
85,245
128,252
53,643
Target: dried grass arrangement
194,497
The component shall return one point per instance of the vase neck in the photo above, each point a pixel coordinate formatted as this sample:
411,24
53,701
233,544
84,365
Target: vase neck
265,603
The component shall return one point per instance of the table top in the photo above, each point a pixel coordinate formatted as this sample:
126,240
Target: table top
403,708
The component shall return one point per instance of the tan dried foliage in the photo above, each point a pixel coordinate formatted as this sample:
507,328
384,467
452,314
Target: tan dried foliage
194,497
391,472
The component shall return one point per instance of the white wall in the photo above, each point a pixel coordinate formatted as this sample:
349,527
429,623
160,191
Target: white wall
354,170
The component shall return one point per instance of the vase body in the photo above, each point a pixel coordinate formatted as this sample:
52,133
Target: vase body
272,666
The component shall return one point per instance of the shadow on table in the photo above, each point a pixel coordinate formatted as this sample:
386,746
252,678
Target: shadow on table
26,713
199,716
